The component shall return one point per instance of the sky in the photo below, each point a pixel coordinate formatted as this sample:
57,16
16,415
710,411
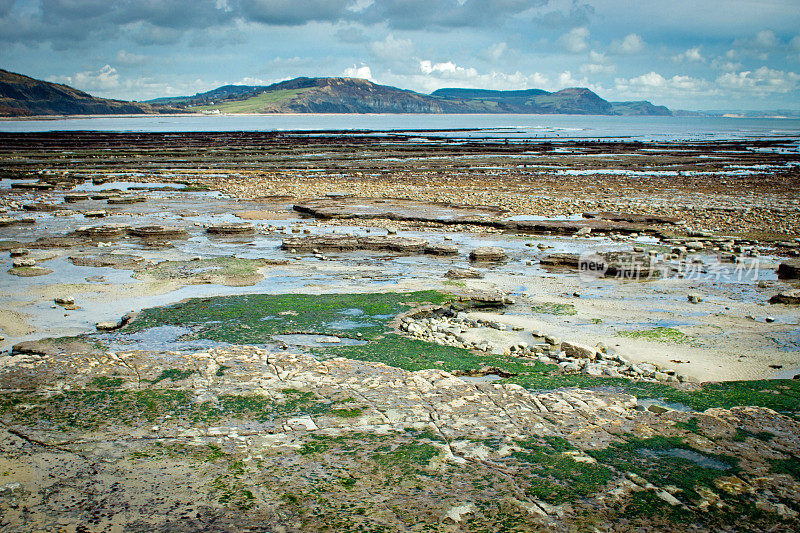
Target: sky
685,54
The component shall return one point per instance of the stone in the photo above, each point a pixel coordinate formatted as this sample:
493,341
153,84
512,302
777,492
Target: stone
552,341
18,252
694,298
231,228
441,249
159,231
64,300
463,273
345,243
578,351
23,262
790,297
488,254
95,214
789,269
105,231
667,497
125,200
111,326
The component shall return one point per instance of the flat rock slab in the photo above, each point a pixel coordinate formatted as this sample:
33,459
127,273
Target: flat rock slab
627,265
123,261
789,269
786,297
41,206
400,209
345,243
125,200
231,228
159,232
463,273
488,254
633,218
29,272
104,231
58,242
9,221
571,227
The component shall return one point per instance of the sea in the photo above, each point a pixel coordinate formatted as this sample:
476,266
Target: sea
512,127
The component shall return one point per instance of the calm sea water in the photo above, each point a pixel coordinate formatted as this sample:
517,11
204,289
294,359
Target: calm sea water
494,126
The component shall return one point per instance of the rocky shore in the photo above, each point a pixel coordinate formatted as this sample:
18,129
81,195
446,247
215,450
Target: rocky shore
284,332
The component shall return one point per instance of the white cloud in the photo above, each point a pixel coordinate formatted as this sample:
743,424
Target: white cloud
654,84
431,76
794,44
760,81
631,44
496,51
574,41
598,68
598,64
720,63
766,39
692,55
103,79
392,48
126,58
565,79
358,72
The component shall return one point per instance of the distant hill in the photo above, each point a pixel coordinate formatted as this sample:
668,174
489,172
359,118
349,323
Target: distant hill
642,107
353,95
22,96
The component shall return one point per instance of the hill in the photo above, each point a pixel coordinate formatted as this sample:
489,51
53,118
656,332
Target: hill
353,95
23,96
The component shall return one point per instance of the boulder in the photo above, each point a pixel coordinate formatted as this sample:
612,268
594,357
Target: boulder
441,249
790,297
578,351
463,273
789,269
488,254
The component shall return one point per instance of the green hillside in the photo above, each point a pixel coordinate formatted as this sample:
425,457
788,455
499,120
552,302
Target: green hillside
263,103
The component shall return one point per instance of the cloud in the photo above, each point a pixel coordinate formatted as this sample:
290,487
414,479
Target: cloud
126,58
794,44
392,49
351,34
719,63
654,84
358,72
766,39
690,55
103,79
496,51
5,7
598,64
760,81
574,41
432,75
576,15
629,45
293,13
426,14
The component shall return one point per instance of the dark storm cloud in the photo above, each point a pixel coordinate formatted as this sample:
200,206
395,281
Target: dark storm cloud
294,13
76,20
422,14
5,7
